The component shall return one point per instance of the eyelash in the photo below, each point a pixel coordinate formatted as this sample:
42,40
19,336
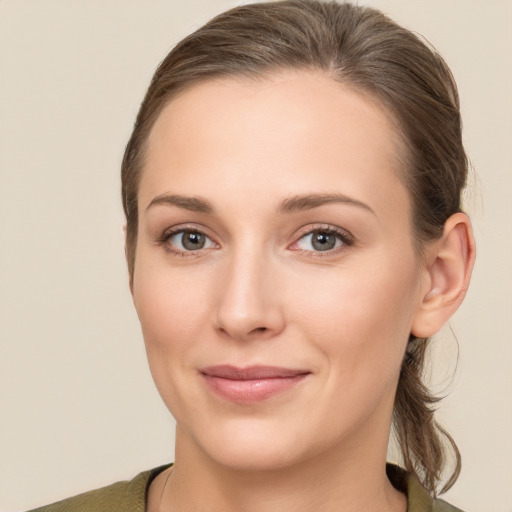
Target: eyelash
344,237
163,240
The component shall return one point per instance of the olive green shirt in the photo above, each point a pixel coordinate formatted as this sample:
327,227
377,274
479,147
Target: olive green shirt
130,496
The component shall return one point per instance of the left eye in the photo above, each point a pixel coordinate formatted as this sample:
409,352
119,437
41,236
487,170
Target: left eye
320,241
190,241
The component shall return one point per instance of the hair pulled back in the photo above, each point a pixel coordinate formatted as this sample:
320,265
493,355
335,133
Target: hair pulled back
364,49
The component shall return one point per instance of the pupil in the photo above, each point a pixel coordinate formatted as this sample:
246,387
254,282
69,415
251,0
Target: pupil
193,241
323,241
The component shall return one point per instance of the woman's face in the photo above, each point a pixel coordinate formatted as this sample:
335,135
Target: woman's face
275,278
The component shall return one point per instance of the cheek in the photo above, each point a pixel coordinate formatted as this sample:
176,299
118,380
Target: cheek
362,314
173,315
172,311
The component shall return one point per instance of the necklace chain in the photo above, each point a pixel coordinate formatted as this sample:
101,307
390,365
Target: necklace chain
163,490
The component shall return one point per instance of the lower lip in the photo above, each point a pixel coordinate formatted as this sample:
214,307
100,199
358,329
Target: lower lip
253,390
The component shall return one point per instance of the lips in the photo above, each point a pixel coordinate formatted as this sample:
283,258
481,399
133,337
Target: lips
251,384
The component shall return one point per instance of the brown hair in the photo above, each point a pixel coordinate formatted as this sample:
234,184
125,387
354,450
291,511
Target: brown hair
364,49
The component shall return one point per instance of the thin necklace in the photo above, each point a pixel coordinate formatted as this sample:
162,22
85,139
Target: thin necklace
163,490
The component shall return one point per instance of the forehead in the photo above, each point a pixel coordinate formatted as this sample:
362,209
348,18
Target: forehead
292,130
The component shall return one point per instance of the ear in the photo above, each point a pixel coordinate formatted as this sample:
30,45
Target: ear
130,282
449,262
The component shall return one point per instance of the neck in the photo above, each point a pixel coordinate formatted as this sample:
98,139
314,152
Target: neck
356,481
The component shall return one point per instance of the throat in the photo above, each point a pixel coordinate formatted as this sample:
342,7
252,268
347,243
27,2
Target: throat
245,491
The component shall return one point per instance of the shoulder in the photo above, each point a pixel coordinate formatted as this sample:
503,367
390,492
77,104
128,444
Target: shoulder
125,496
442,506
418,498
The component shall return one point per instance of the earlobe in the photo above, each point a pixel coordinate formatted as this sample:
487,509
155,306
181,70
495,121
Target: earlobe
450,263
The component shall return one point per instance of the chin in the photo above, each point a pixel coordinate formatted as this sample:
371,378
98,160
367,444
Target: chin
251,445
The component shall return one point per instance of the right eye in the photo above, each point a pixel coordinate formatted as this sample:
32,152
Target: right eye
187,240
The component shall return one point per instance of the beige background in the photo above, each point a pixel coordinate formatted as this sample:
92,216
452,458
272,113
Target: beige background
78,407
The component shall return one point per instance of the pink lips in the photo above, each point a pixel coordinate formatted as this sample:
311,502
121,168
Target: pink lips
251,384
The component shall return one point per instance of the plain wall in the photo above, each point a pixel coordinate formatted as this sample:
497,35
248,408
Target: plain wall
78,406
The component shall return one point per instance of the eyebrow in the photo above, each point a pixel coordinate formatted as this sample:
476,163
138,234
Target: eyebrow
310,201
288,205
193,204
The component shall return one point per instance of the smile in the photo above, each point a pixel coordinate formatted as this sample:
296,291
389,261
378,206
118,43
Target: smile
251,384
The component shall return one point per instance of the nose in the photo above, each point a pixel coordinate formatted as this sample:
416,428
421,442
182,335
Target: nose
249,305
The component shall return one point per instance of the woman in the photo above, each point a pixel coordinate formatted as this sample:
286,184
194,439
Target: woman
294,236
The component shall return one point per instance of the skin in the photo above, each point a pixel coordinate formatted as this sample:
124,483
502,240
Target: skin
260,293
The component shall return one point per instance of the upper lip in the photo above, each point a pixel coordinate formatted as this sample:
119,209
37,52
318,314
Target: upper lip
251,372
